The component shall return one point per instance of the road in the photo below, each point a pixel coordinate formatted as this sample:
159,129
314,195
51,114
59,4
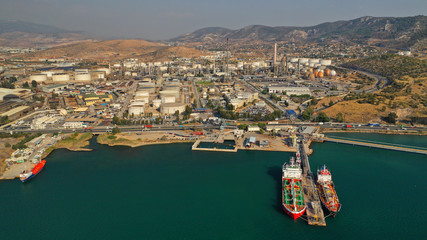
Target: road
380,83
196,94
139,128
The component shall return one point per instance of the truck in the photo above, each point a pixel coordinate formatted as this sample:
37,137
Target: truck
148,126
348,126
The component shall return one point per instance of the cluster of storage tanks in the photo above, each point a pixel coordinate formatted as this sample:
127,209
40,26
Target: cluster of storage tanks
319,73
79,75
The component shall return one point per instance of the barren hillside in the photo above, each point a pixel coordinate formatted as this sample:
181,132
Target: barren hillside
115,49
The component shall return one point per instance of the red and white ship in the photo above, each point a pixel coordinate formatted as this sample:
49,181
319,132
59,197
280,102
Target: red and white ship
292,196
28,174
327,192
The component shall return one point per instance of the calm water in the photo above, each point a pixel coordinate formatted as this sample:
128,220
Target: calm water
170,192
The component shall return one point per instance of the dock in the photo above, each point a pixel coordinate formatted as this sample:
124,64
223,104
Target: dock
314,211
196,147
377,145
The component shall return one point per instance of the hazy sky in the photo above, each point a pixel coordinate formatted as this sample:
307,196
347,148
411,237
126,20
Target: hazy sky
164,19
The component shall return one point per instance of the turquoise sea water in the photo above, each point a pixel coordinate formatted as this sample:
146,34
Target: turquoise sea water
170,192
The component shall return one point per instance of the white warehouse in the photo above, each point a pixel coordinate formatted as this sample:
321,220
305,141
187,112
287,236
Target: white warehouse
289,90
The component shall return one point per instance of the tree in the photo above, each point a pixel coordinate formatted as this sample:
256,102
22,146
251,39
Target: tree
340,117
391,118
262,125
33,84
188,110
243,126
308,112
331,103
116,120
322,117
26,85
116,130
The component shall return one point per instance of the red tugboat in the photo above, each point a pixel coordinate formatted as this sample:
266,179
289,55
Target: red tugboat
327,192
292,195
28,174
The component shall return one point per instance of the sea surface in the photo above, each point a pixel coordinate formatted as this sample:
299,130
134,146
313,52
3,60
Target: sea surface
171,192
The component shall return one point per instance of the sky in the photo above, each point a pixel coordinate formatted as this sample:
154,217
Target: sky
165,19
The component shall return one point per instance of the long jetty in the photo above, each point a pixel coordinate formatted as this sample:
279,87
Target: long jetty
314,212
376,145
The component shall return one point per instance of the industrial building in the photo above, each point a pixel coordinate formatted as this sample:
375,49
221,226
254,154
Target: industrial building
289,90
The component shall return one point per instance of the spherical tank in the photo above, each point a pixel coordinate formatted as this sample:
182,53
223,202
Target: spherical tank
61,77
320,74
311,70
316,73
311,76
38,77
327,72
333,73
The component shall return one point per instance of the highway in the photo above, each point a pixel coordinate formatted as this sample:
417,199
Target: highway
139,128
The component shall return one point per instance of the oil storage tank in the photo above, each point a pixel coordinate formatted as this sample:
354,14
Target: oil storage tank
61,77
38,77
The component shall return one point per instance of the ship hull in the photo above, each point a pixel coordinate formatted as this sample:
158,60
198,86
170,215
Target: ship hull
292,214
332,209
28,178
36,170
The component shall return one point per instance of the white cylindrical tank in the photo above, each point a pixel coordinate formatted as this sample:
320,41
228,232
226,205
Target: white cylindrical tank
82,70
49,73
313,60
142,94
303,60
171,108
138,103
168,99
156,103
82,77
97,74
63,77
106,70
141,99
169,92
136,110
325,62
38,77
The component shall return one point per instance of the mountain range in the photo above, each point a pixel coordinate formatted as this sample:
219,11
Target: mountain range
395,32
392,32
15,33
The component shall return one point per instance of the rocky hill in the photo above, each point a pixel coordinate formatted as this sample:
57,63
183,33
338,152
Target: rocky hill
405,95
393,32
14,33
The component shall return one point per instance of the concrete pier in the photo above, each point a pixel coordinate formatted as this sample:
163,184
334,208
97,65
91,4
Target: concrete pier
376,145
195,147
314,211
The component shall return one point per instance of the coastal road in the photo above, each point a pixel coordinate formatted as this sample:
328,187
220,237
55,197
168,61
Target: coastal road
139,128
